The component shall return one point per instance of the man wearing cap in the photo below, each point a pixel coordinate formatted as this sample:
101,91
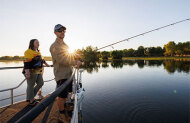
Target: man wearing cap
62,62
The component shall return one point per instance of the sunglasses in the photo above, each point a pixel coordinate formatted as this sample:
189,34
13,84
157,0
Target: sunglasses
60,30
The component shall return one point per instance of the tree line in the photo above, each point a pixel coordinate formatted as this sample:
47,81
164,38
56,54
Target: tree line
170,49
90,54
11,58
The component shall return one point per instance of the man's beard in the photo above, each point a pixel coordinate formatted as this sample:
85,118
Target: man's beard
61,37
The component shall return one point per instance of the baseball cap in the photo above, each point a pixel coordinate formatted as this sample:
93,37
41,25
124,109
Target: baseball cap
58,26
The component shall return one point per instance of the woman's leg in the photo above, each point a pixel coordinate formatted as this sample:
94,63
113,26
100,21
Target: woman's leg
30,87
39,83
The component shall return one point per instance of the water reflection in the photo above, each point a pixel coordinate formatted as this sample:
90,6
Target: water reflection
105,64
91,67
173,66
117,64
170,66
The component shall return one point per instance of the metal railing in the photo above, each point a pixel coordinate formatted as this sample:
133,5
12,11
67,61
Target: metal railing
5,68
13,88
33,113
18,67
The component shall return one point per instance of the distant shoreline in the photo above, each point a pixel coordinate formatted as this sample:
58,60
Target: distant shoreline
155,58
124,58
151,58
22,59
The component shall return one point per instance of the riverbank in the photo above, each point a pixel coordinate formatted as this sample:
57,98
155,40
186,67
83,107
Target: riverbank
124,58
18,60
155,58
152,58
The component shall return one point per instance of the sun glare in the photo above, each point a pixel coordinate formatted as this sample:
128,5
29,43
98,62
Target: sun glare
71,50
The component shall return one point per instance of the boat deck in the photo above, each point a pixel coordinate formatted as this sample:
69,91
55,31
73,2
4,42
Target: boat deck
14,112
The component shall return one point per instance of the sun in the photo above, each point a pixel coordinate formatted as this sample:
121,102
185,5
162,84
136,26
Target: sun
71,50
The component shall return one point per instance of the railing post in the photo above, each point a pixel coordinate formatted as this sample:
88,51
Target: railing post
80,76
77,78
12,97
75,84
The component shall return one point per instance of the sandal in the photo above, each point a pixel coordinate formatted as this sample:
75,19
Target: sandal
34,103
70,102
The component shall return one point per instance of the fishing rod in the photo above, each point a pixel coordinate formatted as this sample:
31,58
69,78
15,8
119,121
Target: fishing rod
142,34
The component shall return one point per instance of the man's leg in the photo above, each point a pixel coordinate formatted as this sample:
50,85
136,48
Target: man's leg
62,111
60,103
61,97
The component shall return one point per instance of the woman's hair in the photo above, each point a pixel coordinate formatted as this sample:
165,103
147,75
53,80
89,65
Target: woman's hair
31,44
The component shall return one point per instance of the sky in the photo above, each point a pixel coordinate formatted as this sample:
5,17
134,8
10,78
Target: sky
90,22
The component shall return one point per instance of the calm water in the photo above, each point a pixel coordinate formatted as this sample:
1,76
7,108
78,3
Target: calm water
123,92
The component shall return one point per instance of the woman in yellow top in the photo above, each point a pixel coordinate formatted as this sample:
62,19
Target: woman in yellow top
33,68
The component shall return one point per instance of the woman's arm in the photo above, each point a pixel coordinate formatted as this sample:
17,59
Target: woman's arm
47,65
27,61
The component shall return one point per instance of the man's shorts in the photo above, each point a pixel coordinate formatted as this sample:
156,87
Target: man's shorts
68,89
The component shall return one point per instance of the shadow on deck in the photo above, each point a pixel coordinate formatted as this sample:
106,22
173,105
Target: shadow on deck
12,113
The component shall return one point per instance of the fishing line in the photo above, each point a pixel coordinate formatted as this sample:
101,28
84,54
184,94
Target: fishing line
142,34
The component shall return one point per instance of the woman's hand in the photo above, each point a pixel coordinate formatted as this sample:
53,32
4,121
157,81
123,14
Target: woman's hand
47,65
27,73
27,76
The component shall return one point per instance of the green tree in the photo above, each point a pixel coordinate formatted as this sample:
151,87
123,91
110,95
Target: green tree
140,51
150,51
16,57
159,51
170,48
90,54
131,52
117,54
186,48
6,58
105,55
125,53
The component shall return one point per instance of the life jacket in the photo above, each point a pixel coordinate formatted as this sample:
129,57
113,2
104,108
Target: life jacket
37,62
33,59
